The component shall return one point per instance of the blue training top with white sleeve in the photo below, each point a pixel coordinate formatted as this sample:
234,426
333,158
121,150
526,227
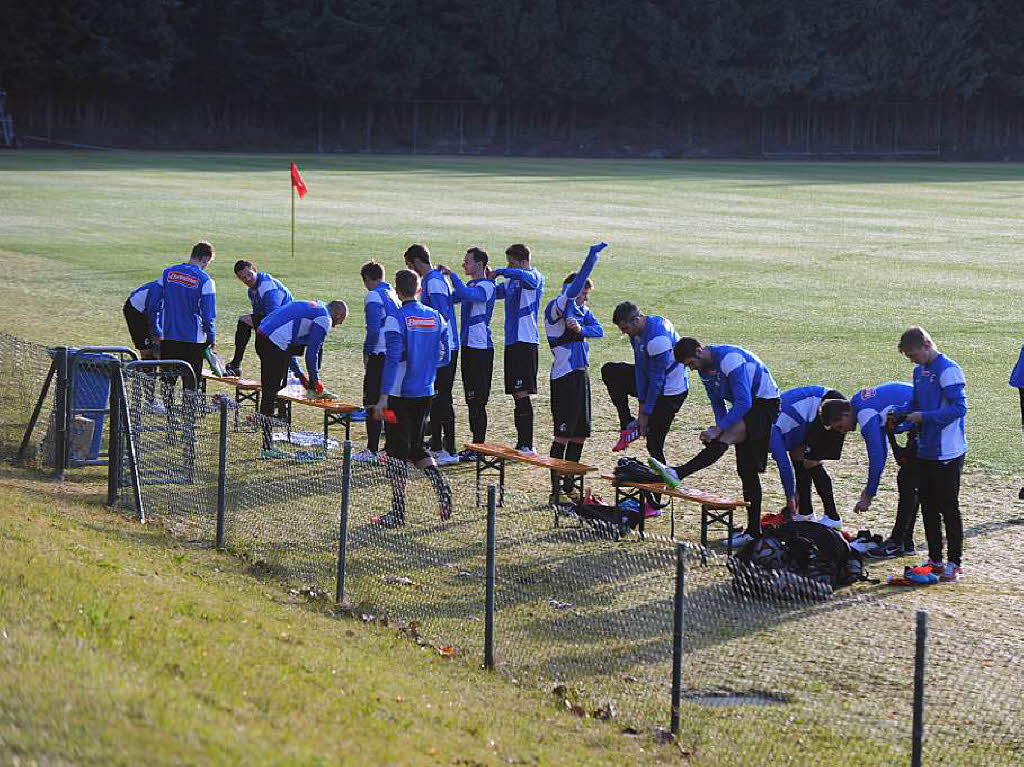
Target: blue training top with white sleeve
377,305
871,405
417,339
798,408
739,377
572,352
300,323
438,295
940,395
267,294
188,305
477,298
1017,374
146,299
657,372
521,291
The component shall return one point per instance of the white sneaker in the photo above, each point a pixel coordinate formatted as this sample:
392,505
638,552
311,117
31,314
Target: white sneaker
803,517
156,407
529,452
739,539
835,524
365,456
444,458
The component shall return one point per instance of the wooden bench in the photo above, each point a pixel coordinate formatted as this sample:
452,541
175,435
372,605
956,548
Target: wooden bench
246,390
714,508
335,411
492,457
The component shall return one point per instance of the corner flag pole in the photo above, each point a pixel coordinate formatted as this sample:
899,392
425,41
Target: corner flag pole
293,220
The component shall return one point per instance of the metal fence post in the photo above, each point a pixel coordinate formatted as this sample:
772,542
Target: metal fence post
917,752
60,416
489,596
346,483
677,637
222,472
115,458
129,445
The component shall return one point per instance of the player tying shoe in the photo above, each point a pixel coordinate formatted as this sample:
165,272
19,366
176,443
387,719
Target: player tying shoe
870,408
379,302
655,378
568,324
295,328
477,297
521,290
417,341
731,374
800,441
265,295
140,312
437,294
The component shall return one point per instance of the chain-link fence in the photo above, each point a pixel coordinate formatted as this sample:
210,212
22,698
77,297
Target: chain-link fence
776,671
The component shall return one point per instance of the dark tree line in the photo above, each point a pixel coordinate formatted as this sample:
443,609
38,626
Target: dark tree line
235,63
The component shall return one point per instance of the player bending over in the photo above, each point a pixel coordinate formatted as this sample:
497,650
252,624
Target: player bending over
140,312
266,293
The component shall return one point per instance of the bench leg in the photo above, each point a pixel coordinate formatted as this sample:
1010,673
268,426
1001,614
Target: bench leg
704,522
483,463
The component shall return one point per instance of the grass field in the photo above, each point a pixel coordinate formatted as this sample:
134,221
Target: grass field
816,267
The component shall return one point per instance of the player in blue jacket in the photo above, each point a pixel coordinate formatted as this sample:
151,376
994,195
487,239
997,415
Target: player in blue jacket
299,327
436,293
379,302
655,378
140,312
521,290
417,342
800,441
568,323
187,313
477,297
266,294
1017,381
734,375
939,408
869,408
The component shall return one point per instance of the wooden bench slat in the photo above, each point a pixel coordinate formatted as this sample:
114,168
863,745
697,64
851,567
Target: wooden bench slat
238,383
298,396
711,500
557,465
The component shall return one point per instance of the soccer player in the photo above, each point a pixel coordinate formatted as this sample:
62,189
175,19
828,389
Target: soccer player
417,341
870,408
295,328
265,294
655,378
1017,381
477,297
731,374
800,441
938,407
521,290
140,312
187,313
437,294
379,302
568,323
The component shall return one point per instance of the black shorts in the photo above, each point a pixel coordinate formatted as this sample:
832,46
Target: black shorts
138,328
570,405
521,368
752,452
372,378
477,372
405,436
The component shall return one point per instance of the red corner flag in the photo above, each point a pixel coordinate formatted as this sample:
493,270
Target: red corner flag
297,182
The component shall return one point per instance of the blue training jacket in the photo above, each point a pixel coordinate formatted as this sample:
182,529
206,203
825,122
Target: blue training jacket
417,339
940,395
569,352
377,305
146,299
436,294
188,305
300,323
521,291
1017,374
798,408
268,294
738,377
477,298
871,405
657,372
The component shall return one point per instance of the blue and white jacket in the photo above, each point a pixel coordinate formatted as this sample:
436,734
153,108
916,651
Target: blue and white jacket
571,353
521,291
940,395
871,405
436,294
268,294
300,323
738,377
146,299
657,372
188,305
798,408
1017,374
477,298
377,305
417,339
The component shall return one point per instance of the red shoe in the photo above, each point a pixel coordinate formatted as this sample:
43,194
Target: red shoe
651,511
630,434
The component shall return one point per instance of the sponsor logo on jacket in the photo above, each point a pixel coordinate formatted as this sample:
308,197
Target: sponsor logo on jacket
421,323
183,278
